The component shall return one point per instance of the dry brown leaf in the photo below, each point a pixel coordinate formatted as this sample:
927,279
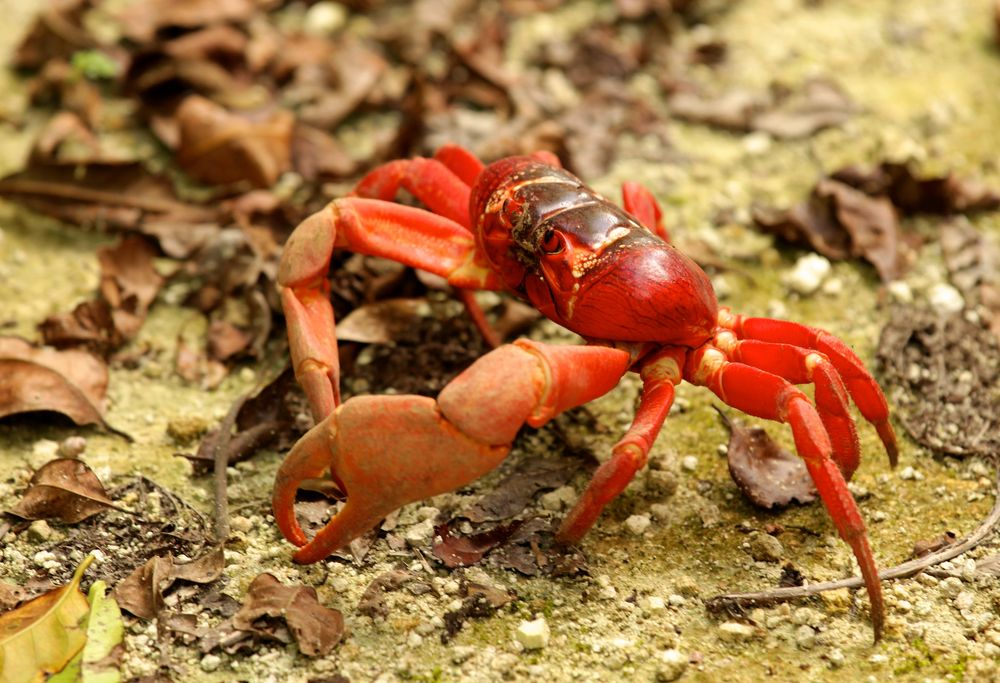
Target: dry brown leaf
57,32
142,20
63,489
71,382
219,147
839,222
767,474
912,194
118,195
518,488
142,591
464,551
317,629
225,340
372,602
381,322
129,284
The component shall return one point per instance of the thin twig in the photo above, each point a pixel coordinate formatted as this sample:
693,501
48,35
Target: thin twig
742,600
221,457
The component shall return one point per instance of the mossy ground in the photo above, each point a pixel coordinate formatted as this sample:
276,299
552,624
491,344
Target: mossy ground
925,74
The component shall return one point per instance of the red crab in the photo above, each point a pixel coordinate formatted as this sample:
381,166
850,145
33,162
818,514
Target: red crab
526,226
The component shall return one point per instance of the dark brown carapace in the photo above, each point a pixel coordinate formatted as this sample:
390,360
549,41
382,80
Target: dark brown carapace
583,261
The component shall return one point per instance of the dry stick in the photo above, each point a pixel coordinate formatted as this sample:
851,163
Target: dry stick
729,600
221,457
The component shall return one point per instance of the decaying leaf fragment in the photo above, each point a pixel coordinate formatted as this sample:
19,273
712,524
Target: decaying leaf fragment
41,636
141,592
129,284
317,629
63,489
70,382
219,147
463,551
841,222
770,476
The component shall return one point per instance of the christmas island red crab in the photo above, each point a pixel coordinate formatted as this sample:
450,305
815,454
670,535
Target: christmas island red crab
526,226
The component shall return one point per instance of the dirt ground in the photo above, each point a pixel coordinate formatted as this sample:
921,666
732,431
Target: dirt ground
924,75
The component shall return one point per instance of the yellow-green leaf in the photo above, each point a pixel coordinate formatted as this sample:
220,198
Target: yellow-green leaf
42,635
100,659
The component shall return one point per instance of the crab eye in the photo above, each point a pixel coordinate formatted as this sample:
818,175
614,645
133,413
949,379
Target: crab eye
552,242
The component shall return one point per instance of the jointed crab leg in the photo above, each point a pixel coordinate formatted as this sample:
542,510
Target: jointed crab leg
366,226
804,366
768,396
640,202
386,451
659,375
863,388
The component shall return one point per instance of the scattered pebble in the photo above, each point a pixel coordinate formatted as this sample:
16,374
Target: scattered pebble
210,662
950,586
660,511
672,665
661,482
805,637
72,447
637,524
836,658
676,600
420,533
652,603
560,499
732,631
324,18
39,530
900,292
533,635
187,429
765,548
964,600
945,299
808,274
689,463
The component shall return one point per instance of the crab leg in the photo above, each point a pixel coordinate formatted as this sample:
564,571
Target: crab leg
863,388
804,366
367,226
640,202
386,451
445,192
629,455
768,396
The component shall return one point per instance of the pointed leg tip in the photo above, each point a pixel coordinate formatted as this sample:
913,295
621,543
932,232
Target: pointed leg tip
888,436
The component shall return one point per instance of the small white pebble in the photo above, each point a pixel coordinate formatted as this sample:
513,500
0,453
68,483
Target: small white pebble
672,665
559,499
660,511
652,603
908,473
808,274
900,292
945,299
836,658
689,463
637,524
676,600
533,635
964,600
878,659
414,640
210,662
733,631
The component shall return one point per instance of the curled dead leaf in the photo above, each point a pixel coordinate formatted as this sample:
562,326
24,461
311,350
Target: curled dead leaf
464,551
73,383
381,322
839,222
317,629
142,591
63,489
767,474
219,147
